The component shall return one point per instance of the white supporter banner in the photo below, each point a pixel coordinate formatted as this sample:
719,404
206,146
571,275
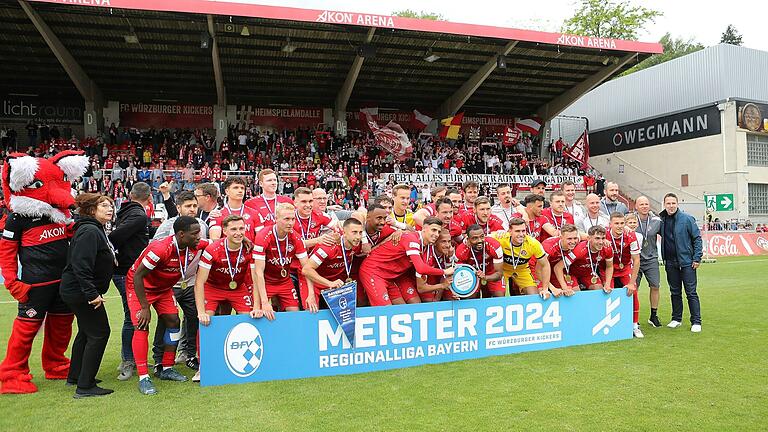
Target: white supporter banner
492,179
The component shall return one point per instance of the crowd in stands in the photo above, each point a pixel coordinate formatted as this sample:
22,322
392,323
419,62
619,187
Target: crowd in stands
348,167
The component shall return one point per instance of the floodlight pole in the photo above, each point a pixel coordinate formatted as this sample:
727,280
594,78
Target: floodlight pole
220,124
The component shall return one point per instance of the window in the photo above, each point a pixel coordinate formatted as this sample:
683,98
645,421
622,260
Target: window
758,198
757,150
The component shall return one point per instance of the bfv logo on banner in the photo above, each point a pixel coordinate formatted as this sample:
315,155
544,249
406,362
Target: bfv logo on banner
238,349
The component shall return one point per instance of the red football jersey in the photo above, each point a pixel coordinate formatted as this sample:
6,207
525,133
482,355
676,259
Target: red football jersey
553,249
250,217
265,248
556,220
265,207
310,227
623,248
391,261
330,262
161,257
222,262
581,256
492,225
380,236
534,226
457,226
493,255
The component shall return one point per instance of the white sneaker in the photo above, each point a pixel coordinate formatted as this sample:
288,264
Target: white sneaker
674,324
638,333
696,328
196,378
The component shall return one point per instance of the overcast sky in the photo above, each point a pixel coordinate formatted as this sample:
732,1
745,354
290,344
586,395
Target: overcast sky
703,21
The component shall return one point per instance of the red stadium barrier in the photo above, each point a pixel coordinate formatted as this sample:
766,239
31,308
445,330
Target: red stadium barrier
732,243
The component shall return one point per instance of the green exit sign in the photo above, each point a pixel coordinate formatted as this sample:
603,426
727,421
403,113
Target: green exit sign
719,202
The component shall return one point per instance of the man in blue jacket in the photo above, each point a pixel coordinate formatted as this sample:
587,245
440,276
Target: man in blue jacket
681,251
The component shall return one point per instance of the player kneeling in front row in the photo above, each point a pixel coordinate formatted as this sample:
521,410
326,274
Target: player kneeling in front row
484,253
626,263
519,248
222,277
150,281
556,248
330,266
590,260
387,274
435,288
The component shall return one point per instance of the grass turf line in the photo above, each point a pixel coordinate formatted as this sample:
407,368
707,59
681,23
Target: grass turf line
671,380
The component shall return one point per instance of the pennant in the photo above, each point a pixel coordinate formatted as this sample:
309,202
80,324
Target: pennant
342,302
579,151
391,137
530,125
421,119
451,126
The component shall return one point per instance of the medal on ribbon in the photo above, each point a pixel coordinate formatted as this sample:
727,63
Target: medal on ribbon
230,269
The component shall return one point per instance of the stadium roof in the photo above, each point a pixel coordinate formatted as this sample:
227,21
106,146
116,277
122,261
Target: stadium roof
300,57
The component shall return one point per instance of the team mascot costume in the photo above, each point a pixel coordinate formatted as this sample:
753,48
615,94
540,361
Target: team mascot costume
33,252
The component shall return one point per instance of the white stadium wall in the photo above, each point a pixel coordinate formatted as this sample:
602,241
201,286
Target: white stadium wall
714,164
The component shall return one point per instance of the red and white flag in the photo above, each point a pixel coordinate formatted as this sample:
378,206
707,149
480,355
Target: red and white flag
579,150
530,125
390,137
421,119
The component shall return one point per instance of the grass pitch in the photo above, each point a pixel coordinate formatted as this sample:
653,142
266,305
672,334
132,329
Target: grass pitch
671,380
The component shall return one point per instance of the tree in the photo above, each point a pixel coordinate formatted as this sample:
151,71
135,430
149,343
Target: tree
673,48
609,19
731,36
407,13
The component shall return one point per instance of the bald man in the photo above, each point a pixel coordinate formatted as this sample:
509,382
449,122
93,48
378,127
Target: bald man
610,203
320,204
594,215
648,228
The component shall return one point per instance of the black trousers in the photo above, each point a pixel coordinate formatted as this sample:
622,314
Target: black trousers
90,342
188,342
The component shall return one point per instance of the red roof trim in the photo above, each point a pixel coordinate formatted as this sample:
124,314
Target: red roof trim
234,7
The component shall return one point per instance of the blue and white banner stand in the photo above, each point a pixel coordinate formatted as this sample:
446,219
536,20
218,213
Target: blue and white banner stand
238,349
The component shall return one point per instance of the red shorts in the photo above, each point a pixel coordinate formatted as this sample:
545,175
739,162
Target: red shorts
286,295
162,301
380,291
241,298
585,279
619,281
492,287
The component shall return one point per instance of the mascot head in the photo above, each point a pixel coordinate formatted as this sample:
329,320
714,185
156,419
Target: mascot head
42,187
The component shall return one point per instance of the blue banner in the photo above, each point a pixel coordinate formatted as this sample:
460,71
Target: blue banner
342,303
239,349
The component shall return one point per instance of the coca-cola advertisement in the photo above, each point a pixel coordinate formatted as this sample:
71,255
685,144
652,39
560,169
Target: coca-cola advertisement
726,244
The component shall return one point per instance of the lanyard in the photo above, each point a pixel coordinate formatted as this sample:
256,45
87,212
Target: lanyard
347,265
562,256
268,207
613,245
647,226
485,230
370,239
597,220
434,255
485,261
304,235
241,209
186,257
277,246
233,271
562,220
597,262
516,260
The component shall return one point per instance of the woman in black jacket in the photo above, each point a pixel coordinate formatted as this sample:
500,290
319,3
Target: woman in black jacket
90,264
